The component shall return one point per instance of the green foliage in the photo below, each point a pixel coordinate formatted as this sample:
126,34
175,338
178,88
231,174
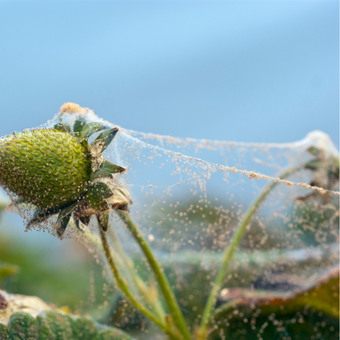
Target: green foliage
112,334
310,313
302,325
124,316
53,325
195,271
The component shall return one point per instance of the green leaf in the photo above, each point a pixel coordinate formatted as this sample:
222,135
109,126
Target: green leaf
23,326
312,312
196,270
124,314
106,170
45,331
54,325
84,329
112,334
60,325
4,332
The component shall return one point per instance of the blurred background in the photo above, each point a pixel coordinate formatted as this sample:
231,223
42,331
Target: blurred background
249,71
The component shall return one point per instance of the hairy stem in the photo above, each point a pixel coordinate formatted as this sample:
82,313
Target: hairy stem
230,250
125,289
159,274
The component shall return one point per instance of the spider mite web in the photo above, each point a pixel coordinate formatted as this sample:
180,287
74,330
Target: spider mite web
190,195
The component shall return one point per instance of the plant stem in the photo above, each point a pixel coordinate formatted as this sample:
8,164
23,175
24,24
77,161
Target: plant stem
124,288
143,288
230,250
159,274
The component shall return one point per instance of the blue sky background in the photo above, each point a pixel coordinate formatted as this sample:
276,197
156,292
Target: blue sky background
252,71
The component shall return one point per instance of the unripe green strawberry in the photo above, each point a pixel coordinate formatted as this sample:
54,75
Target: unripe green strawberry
59,172
48,168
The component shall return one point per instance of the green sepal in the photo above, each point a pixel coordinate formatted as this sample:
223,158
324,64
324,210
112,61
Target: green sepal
77,223
106,169
81,222
78,126
103,219
40,216
85,220
101,189
64,218
91,128
315,164
62,127
314,151
98,203
103,140
96,194
66,211
19,201
13,205
84,130
63,221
